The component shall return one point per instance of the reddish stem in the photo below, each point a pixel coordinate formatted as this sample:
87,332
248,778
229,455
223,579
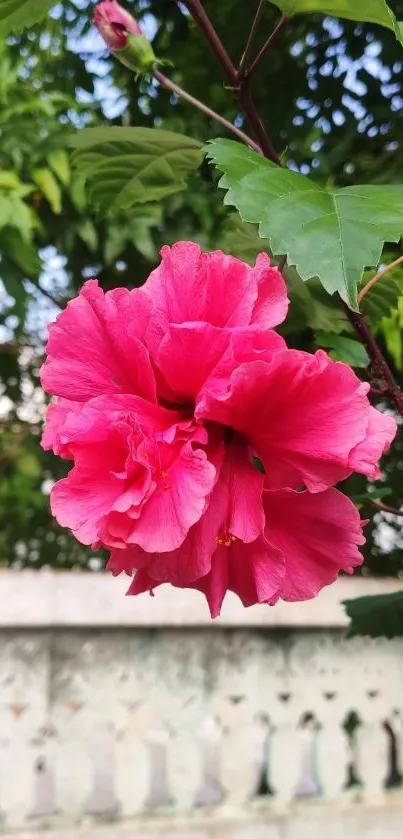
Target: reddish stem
266,46
245,100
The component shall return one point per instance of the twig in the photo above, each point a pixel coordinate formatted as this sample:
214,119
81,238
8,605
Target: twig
245,100
385,508
265,48
378,276
380,364
165,82
251,38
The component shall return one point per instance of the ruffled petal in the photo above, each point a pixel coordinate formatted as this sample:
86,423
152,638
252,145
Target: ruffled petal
303,414
96,346
191,286
381,432
319,536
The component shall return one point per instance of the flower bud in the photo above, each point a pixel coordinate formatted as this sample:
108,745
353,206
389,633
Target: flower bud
123,35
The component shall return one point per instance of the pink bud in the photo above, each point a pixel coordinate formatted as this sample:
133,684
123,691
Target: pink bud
114,24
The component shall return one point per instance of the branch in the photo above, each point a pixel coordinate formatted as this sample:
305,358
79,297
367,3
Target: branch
265,48
165,82
245,100
377,277
385,508
251,38
380,364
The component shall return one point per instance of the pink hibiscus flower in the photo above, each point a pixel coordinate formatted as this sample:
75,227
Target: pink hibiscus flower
193,430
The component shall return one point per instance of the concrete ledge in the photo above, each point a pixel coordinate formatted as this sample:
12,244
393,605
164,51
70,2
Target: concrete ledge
46,599
308,822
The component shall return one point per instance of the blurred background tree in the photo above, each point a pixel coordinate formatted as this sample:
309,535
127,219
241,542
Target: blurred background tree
330,93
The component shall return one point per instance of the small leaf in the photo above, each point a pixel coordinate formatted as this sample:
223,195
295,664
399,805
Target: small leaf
377,616
59,163
311,305
383,298
20,252
87,231
240,239
126,166
365,11
374,494
48,185
332,234
16,15
344,349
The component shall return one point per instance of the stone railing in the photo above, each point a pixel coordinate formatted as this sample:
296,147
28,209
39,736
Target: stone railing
141,718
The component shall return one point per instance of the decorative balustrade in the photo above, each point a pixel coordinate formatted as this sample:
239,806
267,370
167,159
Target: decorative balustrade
110,711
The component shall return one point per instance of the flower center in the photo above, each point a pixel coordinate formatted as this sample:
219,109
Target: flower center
226,538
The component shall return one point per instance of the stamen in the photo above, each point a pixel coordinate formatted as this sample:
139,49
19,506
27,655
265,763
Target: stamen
227,539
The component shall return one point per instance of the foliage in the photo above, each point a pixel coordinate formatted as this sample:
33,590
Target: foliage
333,234
367,11
380,615
126,166
329,91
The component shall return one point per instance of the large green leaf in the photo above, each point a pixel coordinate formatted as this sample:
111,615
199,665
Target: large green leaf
332,234
16,15
126,166
367,11
379,615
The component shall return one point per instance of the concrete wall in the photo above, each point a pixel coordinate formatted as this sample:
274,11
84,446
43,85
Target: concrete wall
140,717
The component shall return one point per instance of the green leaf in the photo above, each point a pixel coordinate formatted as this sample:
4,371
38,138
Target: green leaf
48,185
87,231
16,15
373,494
332,234
308,308
20,252
59,163
380,615
309,303
367,11
15,213
240,239
344,349
126,166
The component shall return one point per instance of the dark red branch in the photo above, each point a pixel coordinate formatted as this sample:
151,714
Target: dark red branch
380,364
266,46
251,37
245,100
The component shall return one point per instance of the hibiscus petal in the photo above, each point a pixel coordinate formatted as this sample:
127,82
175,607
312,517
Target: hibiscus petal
214,288
96,346
381,432
272,303
189,353
303,414
56,415
244,483
254,572
319,536
80,501
177,504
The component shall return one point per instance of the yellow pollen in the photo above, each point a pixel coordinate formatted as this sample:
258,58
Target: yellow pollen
227,540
